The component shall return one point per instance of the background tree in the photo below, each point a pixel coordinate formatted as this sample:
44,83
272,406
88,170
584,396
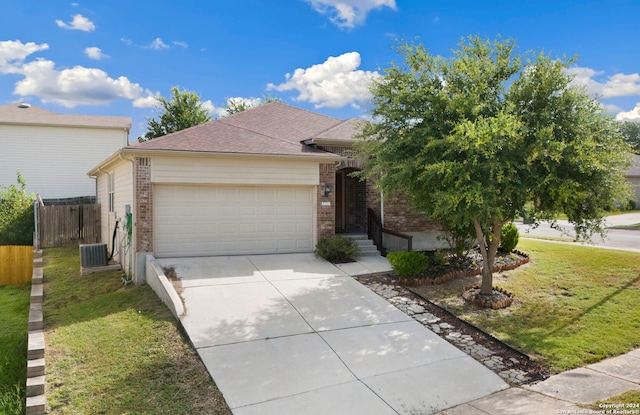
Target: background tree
473,138
235,105
16,214
631,133
182,110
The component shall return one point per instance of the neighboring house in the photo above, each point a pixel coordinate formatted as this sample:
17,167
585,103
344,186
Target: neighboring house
633,175
272,179
54,151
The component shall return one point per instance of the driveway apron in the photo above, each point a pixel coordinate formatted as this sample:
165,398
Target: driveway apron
293,334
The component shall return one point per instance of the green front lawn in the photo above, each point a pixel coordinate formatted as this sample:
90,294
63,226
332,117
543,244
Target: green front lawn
14,317
112,349
574,305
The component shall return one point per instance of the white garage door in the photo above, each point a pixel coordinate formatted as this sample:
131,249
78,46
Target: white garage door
220,220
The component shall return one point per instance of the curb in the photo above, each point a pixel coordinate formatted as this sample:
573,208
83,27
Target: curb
36,399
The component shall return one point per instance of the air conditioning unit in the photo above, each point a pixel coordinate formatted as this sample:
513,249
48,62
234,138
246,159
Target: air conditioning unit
93,255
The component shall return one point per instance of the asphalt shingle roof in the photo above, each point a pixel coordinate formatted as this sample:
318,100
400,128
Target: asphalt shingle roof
31,115
273,128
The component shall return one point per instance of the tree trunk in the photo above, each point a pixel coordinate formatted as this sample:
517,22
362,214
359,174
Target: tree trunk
488,249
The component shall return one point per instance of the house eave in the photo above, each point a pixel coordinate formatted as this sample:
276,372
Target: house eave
128,153
328,142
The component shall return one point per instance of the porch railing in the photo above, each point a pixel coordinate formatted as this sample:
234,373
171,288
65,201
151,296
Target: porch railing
385,239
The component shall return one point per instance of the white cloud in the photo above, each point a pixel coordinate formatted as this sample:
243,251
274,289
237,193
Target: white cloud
79,22
147,101
219,112
158,44
617,85
95,53
126,41
349,13
334,83
14,52
68,87
180,43
633,115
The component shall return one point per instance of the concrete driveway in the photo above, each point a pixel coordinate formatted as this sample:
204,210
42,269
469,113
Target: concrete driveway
293,334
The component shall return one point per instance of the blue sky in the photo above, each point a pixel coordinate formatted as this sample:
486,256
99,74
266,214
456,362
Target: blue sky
111,57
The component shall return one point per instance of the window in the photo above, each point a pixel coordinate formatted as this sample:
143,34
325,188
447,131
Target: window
112,186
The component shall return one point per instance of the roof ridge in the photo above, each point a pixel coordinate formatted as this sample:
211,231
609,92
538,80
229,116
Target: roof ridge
259,133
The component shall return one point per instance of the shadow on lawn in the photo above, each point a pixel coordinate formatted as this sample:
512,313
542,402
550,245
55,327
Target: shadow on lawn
593,307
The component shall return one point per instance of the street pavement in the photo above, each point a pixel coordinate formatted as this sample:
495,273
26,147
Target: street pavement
615,238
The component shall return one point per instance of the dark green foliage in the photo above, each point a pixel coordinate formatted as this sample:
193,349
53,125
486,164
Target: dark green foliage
408,264
183,110
631,132
459,236
16,214
337,250
509,237
476,137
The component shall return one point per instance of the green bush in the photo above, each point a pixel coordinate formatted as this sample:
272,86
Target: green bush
16,214
408,264
440,258
337,250
509,237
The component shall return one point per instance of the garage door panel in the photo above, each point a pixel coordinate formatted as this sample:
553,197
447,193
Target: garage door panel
218,220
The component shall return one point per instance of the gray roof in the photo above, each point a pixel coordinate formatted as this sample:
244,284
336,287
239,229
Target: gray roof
31,115
273,128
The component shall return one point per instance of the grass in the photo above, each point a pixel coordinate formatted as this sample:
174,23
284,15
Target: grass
113,349
574,305
629,401
14,317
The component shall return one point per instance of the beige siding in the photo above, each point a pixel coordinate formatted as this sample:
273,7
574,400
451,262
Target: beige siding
102,198
123,195
231,170
55,160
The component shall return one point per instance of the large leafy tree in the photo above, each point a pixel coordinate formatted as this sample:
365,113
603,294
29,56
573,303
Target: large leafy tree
475,138
631,133
182,110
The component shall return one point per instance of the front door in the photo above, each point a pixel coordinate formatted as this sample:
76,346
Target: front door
351,203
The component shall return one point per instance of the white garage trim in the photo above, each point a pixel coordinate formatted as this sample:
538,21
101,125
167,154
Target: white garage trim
192,220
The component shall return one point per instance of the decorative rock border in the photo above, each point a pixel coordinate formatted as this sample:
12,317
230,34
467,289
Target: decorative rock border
415,282
472,294
36,399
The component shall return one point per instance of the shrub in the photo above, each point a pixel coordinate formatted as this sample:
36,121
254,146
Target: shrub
408,264
440,258
509,237
459,236
337,250
16,214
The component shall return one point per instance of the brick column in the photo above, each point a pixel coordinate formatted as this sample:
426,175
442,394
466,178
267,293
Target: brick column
144,205
326,220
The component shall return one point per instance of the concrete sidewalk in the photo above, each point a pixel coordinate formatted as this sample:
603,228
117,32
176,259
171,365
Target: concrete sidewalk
566,393
293,334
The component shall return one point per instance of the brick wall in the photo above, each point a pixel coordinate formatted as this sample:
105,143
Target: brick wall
399,215
326,217
144,205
